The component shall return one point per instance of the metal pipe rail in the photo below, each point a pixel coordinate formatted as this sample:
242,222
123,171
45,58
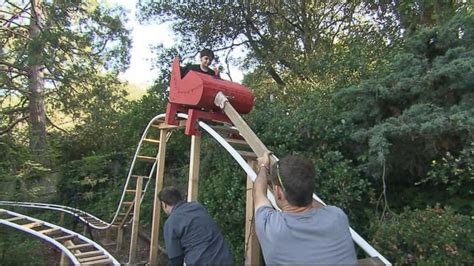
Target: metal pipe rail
79,249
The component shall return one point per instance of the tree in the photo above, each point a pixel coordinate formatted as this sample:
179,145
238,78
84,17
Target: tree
310,40
419,111
54,53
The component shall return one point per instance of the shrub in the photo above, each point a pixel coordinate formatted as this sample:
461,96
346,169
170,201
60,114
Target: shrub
434,235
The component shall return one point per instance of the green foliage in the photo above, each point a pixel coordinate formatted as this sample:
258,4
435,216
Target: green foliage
430,236
222,191
456,173
284,40
340,184
15,244
93,183
423,104
74,48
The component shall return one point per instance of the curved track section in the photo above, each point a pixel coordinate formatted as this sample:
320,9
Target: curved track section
142,165
79,249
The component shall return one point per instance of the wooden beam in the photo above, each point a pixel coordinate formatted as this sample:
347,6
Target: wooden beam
193,182
135,222
118,247
254,142
155,227
252,246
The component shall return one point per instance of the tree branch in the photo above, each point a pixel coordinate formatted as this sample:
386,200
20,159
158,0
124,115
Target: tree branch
13,124
55,126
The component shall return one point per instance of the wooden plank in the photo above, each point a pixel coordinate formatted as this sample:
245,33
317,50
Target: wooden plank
89,253
131,190
155,229
85,245
165,126
32,225
237,141
94,258
142,176
135,222
182,123
247,154
193,181
152,141
252,246
146,158
104,261
66,237
225,129
50,231
254,142
17,218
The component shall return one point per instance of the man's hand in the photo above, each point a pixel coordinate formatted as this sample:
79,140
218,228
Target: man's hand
260,184
264,161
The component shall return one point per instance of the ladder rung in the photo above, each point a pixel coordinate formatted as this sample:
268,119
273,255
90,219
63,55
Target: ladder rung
130,191
127,202
49,231
146,158
94,258
15,219
31,225
89,253
105,261
142,176
237,141
153,141
167,126
247,154
80,246
66,237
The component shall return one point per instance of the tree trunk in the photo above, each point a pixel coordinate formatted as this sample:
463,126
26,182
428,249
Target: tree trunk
37,128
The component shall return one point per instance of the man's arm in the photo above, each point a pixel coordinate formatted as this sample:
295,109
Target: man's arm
173,244
260,184
177,261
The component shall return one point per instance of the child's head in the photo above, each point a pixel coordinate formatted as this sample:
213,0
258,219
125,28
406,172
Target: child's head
207,52
206,57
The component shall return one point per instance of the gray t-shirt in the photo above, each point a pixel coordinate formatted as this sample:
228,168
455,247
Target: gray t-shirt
191,231
319,236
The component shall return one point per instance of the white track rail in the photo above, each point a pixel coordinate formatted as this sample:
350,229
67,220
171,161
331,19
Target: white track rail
79,249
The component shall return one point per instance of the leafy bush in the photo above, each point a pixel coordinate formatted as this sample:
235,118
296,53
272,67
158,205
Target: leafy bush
431,236
339,183
456,172
93,183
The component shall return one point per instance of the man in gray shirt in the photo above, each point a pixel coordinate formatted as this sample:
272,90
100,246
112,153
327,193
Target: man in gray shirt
191,235
304,232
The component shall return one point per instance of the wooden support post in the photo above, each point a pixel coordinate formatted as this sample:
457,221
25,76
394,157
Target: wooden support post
118,247
252,246
155,227
108,234
61,219
193,182
136,221
64,261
